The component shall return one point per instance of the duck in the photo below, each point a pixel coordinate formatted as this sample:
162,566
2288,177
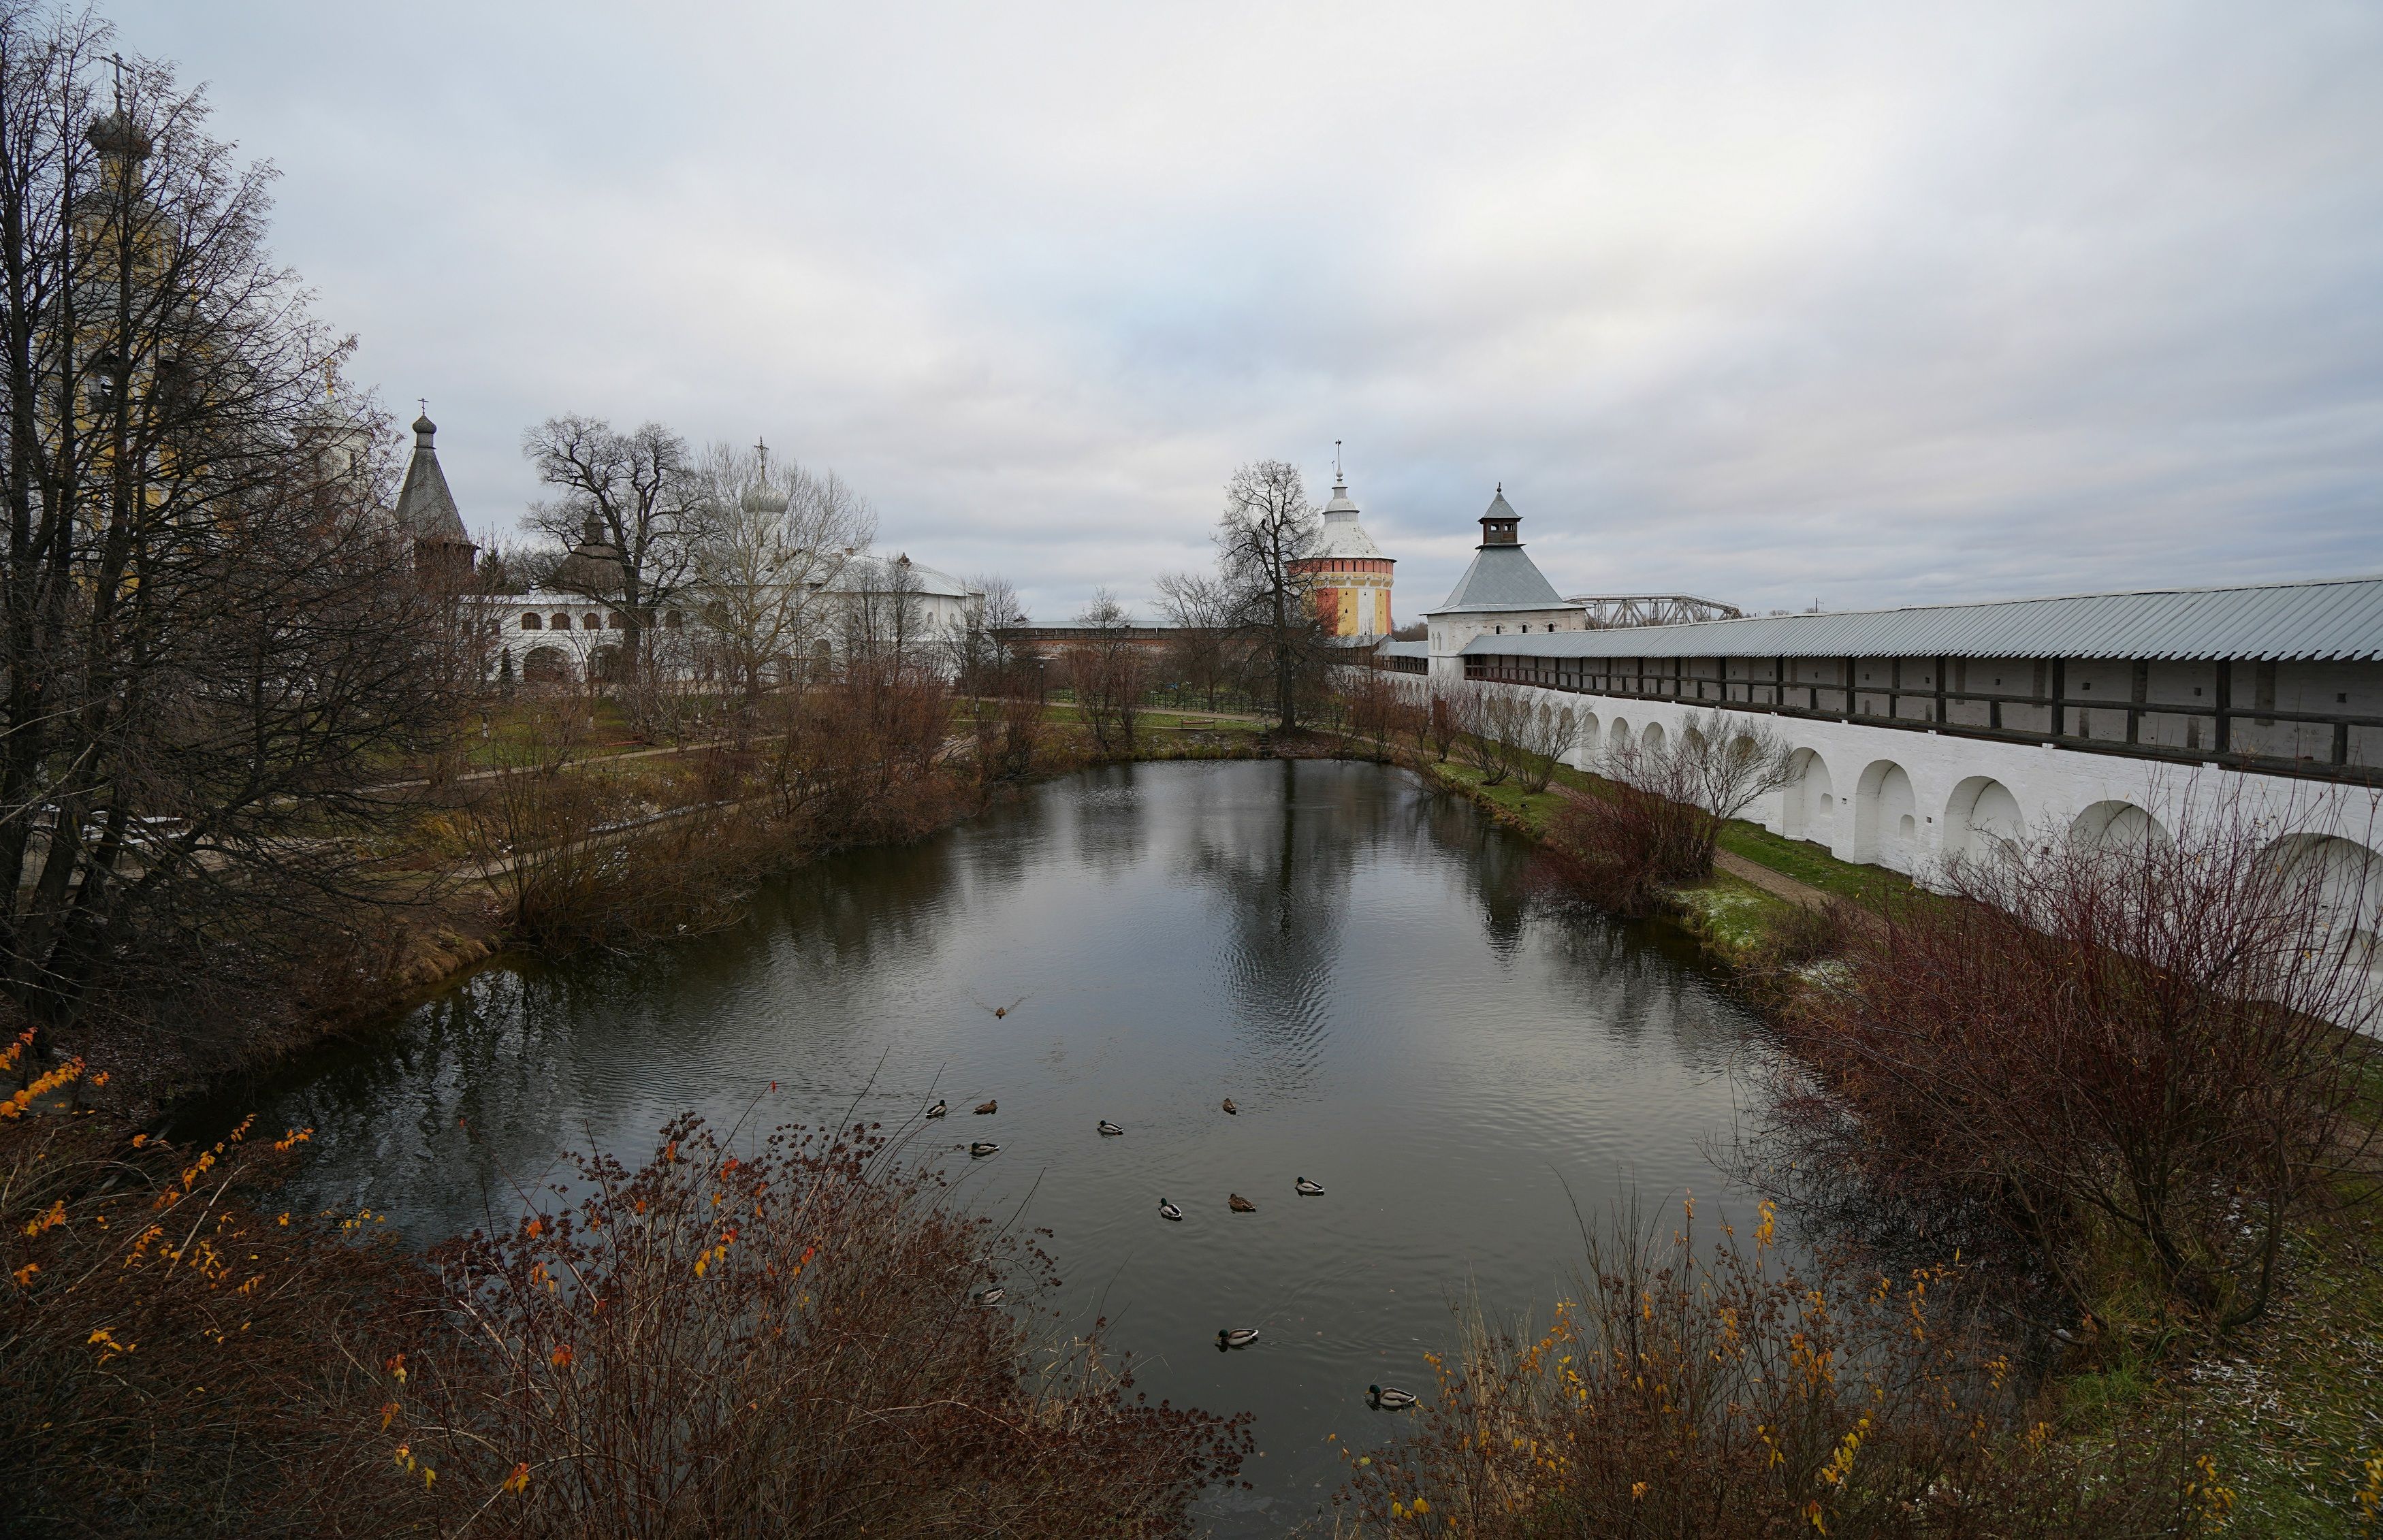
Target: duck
988,1298
1241,1204
939,1109
1389,1400
982,1108
982,1148
1306,1189
1231,1108
1237,1337
1106,1126
1166,1209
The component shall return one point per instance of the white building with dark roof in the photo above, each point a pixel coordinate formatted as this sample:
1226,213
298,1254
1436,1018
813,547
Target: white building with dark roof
1502,593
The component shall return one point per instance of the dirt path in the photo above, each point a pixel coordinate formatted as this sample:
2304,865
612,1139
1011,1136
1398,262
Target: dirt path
1778,884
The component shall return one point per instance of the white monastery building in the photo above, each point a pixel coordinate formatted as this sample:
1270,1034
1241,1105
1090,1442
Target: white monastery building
563,631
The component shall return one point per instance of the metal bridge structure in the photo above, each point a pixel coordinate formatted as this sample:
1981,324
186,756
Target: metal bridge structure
1615,612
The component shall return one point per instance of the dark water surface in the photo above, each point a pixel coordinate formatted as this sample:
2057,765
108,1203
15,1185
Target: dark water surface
1347,955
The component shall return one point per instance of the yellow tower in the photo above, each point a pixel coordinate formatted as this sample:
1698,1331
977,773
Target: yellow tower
1348,572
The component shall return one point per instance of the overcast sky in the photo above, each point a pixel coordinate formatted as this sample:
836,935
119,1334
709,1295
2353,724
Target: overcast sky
1864,304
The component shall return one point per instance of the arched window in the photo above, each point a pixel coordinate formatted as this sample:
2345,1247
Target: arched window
560,621
614,620
674,619
591,622
530,621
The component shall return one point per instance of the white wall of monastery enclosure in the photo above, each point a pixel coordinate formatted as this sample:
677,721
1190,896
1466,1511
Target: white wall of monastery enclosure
1906,797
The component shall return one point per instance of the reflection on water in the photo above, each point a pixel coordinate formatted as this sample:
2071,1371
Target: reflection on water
1350,957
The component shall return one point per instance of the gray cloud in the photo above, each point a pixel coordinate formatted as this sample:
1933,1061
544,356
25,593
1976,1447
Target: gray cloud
1847,302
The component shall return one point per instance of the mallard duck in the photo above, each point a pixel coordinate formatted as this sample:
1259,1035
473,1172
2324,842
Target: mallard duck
939,1109
1166,1209
1389,1400
1306,1189
1231,1108
1240,1204
1106,1126
987,1298
982,1148
984,1107
1237,1337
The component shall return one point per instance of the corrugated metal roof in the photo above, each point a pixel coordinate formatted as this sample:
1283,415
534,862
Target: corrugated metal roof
1502,577
1403,650
2327,620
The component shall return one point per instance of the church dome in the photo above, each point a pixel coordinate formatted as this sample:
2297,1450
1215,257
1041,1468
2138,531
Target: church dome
594,566
762,498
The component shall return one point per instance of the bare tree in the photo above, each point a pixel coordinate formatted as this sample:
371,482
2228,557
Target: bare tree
1717,764
1268,530
980,661
1111,672
628,508
1201,611
214,643
880,616
509,564
1533,733
770,542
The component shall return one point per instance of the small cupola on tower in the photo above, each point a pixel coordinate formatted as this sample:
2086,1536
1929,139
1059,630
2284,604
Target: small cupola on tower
1499,524
443,552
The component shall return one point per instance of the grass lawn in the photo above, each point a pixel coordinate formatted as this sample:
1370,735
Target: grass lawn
510,725
1811,865
1533,807
2290,1407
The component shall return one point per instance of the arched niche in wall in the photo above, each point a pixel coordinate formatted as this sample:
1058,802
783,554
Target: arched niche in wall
2342,881
2117,826
1810,802
1886,818
1980,816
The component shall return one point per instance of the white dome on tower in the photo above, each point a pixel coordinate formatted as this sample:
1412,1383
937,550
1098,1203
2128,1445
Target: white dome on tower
1343,536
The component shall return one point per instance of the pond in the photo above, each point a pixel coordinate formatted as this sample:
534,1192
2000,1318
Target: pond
1351,957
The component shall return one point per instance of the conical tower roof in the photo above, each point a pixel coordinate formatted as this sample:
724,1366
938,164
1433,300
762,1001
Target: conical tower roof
1501,576
1343,536
426,509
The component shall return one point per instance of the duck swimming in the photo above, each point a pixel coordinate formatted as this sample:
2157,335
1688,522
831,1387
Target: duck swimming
988,1299
1237,1337
1241,1204
1231,1108
982,1148
1106,1126
939,1109
984,1107
1389,1400
1306,1189
1166,1209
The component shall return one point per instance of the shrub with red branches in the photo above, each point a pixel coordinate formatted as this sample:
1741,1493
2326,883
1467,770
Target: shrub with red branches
792,1342
1730,1394
789,1342
2133,1064
1653,825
